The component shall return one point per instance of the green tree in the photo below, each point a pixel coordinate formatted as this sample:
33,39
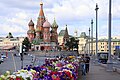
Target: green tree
26,44
72,43
9,35
76,44
68,45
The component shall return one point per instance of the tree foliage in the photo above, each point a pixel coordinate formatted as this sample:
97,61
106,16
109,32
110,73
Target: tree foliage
26,44
10,35
72,43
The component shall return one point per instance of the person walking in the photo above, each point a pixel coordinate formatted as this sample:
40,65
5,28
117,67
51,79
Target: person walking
82,64
87,61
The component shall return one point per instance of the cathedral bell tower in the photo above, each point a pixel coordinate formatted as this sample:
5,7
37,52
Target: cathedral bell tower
40,21
46,35
54,35
31,31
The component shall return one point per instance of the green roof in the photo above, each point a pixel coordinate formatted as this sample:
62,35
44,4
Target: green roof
54,25
37,41
30,31
62,33
83,35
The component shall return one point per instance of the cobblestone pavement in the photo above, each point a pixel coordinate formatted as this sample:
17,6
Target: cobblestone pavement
98,72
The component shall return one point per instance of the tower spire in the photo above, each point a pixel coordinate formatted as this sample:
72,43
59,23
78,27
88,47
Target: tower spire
40,20
41,3
41,9
54,25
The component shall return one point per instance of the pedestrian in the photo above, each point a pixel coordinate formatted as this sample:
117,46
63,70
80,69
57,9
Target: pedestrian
82,64
26,67
6,54
87,61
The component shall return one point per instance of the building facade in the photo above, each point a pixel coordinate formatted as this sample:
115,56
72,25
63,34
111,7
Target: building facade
103,46
45,36
9,43
83,39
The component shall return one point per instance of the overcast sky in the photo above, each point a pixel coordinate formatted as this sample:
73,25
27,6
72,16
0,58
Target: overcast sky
77,14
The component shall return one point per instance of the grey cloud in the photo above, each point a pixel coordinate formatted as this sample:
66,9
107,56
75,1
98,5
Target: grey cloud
21,4
27,4
54,8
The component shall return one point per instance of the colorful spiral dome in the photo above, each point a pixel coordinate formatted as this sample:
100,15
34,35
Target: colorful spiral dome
54,24
46,24
31,23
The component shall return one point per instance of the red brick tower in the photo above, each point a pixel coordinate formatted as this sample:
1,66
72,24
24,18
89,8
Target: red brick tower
46,34
40,21
31,31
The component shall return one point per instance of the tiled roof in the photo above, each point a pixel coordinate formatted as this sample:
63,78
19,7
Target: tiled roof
113,40
62,33
83,35
106,40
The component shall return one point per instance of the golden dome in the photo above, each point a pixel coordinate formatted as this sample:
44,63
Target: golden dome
41,3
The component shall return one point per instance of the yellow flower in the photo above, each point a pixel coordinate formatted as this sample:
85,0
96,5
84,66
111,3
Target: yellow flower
8,72
22,70
32,71
2,76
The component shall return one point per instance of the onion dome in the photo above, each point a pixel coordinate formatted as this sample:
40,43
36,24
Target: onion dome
46,24
31,23
54,25
30,31
37,30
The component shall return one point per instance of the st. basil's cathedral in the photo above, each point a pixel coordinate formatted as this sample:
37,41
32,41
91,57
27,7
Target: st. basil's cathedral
45,36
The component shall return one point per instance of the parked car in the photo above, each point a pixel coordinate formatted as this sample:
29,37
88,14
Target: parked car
3,56
118,59
102,57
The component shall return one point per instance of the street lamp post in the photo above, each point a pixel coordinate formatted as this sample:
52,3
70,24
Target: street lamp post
89,41
109,63
21,55
92,37
96,9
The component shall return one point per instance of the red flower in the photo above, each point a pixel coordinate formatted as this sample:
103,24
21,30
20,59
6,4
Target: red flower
11,79
53,72
18,78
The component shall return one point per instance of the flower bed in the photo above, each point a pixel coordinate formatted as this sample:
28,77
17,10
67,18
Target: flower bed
53,69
